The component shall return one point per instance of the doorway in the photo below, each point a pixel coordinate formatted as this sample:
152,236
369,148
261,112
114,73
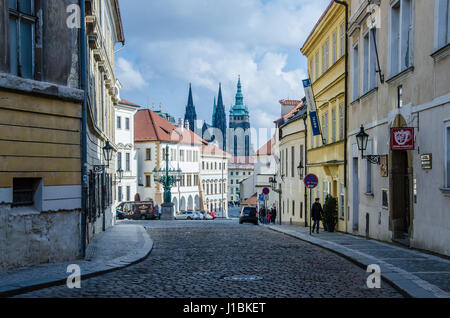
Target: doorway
401,205
355,195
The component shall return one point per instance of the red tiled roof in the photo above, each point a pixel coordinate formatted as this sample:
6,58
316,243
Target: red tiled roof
253,200
242,160
267,149
148,126
289,102
210,149
292,113
124,101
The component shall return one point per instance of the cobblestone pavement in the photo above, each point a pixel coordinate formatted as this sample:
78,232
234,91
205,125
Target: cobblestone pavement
221,258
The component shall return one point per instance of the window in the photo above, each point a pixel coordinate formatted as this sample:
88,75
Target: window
341,122
327,56
311,68
317,65
334,47
401,36
293,165
128,193
333,125
182,156
447,154
369,62
293,207
148,154
400,96
119,193
325,127
231,181
119,161
342,201
231,173
127,123
342,39
25,191
119,122
148,180
442,20
173,154
203,165
368,177
323,59
355,72
127,162
21,37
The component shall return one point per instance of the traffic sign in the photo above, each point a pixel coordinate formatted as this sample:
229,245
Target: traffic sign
266,191
311,181
261,197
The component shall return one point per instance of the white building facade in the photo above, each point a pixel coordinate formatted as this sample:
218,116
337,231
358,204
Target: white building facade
153,136
126,187
213,179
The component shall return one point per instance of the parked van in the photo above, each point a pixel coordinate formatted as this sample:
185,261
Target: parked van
142,210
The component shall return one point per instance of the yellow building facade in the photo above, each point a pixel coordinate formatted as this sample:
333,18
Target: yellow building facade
325,52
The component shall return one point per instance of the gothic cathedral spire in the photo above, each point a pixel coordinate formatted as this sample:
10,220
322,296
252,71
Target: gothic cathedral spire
219,118
190,115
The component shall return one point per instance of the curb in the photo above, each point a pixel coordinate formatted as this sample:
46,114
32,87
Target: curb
406,288
122,262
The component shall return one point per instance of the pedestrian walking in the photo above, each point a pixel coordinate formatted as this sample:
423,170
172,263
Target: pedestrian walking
274,215
269,216
263,216
316,214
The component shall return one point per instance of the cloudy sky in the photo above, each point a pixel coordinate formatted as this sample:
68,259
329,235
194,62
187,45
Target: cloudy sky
170,43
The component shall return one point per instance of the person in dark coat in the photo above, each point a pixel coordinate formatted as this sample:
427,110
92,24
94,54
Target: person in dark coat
274,215
316,214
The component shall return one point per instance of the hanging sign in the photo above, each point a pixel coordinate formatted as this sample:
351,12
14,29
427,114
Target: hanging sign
311,107
402,138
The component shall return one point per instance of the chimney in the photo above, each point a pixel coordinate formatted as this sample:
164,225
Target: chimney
186,124
180,122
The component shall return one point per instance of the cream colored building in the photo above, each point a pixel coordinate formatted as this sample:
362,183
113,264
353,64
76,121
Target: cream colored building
292,147
403,199
239,169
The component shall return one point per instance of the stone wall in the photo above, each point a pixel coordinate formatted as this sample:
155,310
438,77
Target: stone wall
29,237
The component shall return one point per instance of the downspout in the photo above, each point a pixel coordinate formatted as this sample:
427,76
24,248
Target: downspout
306,171
84,177
345,4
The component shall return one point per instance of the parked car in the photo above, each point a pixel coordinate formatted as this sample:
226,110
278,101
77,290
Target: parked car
123,210
208,216
197,216
185,215
213,215
249,214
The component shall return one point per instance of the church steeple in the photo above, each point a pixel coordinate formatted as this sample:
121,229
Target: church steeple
190,115
214,112
239,109
219,118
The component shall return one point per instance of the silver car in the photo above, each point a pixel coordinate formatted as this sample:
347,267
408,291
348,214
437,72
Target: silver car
185,215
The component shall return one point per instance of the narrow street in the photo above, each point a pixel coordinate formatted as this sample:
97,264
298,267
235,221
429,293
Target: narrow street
220,258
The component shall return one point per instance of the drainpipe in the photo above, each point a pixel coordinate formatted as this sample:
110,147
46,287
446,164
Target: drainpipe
84,177
306,172
345,4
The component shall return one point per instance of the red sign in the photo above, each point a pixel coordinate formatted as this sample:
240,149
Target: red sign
402,138
311,181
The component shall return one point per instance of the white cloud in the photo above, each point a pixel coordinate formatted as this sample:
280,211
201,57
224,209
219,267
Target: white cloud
130,77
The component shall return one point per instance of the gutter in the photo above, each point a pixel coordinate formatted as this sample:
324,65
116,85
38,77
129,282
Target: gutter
84,176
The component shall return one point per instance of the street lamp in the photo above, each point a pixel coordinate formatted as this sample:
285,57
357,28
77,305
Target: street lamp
300,170
361,139
107,152
167,177
120,174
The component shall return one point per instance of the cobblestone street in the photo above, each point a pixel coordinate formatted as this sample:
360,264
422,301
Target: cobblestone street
215,259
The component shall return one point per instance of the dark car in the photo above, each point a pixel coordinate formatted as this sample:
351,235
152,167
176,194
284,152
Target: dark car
123,210
143,210
249,214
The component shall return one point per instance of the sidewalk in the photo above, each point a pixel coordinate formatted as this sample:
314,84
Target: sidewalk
116,248
415,273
